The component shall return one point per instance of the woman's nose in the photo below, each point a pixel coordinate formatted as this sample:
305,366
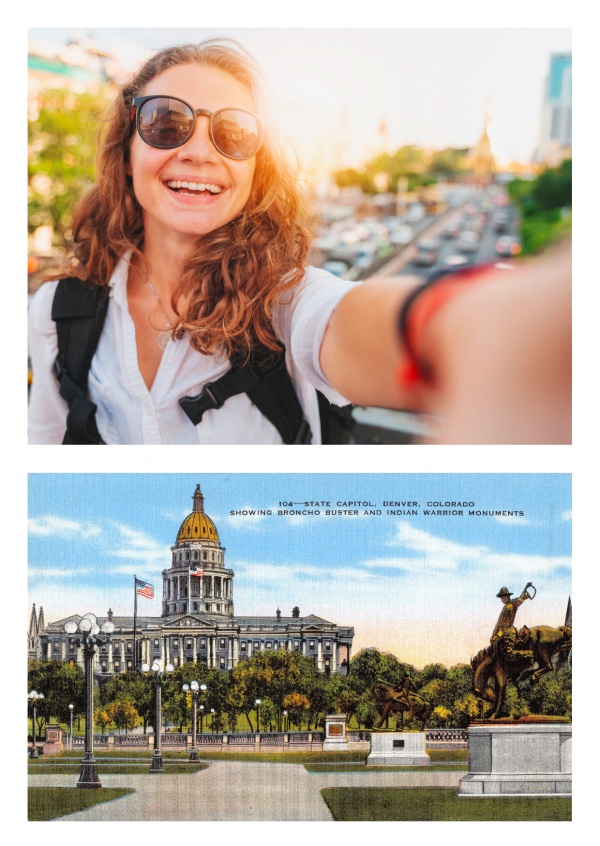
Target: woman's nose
199,146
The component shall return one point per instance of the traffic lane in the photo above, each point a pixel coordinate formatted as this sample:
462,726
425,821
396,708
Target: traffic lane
485,252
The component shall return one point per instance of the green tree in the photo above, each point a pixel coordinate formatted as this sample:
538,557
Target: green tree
552,695
544,206
365,711
61,685
441,717
62,146
272,674
102,718
514,704
466,709
123,714
134,685
438,692
296,705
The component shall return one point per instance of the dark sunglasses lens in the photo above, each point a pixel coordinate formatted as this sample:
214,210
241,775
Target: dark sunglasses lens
236,134
164,122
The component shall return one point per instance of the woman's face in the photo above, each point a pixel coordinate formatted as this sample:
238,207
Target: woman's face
176,216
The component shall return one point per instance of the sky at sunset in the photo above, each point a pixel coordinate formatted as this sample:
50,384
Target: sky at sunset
422,586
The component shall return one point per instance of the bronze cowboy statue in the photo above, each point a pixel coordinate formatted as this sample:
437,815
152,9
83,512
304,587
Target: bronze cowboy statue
515,656
400,699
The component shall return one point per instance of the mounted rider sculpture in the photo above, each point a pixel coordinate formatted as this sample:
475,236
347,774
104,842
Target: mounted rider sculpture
515,656
400,699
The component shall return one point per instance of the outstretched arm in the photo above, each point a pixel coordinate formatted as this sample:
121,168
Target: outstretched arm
499,352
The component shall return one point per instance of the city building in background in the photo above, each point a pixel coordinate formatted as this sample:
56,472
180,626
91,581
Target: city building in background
197,623
556,139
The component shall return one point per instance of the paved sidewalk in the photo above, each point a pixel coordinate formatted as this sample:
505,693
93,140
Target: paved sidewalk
235,791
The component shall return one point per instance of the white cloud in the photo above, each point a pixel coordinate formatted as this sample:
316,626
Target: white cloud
140,547
55,572
513,521
419,540
50,525
413,565
567,515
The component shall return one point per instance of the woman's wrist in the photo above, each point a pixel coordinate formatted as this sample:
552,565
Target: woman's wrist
423,321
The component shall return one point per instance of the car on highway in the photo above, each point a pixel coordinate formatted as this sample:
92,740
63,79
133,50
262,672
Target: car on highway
468,242
451,228
507,246
427,252
455,260
501,221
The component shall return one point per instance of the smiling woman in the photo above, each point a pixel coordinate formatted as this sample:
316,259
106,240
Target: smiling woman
197,232
187,313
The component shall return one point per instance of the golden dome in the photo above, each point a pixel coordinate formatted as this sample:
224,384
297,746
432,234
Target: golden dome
197,525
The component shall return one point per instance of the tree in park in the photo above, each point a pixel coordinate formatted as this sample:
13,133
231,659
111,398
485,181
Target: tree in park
272,674
123,714
365,710
441,717
134,685
296,705
61,684
102,718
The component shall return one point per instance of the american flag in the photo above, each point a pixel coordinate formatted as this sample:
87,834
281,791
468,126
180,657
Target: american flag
144,589
196,571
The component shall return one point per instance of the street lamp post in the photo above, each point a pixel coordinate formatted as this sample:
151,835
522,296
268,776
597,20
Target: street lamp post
88,633
212,719
193,686
71,707
285,713
33,697
257,703
156,762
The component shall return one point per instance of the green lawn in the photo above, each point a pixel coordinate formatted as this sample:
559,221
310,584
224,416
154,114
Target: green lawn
48,803
360,768
111,767
419,804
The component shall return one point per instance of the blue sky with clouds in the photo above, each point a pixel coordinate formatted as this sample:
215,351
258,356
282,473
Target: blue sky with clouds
422,586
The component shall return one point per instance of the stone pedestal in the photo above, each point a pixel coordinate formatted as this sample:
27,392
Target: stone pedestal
335,733
518,760
53,744
398,749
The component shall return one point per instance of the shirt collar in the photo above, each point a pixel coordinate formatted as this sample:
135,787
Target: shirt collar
118,281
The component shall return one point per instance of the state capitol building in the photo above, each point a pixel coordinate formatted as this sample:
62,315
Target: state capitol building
197,621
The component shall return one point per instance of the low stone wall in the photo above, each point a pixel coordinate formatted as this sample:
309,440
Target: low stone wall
296,741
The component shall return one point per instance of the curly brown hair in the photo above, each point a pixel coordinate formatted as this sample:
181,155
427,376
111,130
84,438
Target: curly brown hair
237,272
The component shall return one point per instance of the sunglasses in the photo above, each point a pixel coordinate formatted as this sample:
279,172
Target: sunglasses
168,122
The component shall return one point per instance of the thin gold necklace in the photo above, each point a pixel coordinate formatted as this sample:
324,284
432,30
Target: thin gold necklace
164,335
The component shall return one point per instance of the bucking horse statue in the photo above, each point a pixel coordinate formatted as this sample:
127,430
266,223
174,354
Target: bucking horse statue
526,656
392,699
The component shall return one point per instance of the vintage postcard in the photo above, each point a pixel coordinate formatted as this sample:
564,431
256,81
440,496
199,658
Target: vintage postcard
299,647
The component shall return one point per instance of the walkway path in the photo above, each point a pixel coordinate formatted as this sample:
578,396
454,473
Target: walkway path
233,790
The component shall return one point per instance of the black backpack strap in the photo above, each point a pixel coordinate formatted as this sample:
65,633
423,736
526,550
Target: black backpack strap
268,386
79,309
337,422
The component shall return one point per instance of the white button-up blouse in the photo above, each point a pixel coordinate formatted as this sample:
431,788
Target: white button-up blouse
129,413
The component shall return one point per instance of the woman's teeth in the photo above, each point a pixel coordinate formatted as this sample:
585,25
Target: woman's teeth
176,185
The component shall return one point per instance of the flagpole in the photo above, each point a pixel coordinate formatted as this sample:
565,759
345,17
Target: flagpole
134,621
